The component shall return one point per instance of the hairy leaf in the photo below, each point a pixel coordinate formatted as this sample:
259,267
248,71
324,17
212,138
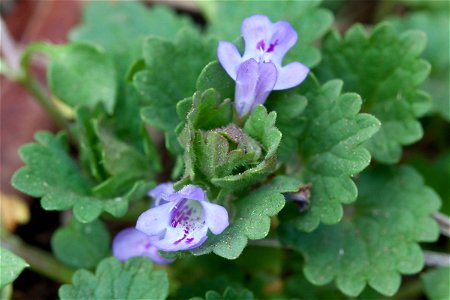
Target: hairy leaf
385,69
378,239
51,173
332,151
133,279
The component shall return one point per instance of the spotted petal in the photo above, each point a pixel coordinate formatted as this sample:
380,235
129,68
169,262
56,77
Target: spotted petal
255,29
187,228
291,75
253,84
282,39
131,242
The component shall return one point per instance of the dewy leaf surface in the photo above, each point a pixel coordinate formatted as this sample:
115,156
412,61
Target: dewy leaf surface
332,151
133,279
378,239
250,219
385,69
162,87
81,245
51,173
10,266
310,22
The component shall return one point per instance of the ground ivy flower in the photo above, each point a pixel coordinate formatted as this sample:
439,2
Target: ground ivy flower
183,221
131,242
259,70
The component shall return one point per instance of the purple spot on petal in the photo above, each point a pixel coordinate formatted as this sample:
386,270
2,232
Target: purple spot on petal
179,241
260,45
272,46
189,240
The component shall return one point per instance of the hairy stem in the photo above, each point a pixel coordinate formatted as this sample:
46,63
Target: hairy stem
40,261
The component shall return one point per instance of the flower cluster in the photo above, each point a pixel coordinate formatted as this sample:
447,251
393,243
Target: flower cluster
260,70
176,221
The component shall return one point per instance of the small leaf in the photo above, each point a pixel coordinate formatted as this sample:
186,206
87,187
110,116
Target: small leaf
214,76
385,69
251,219
82,75
378,238
133,279
81,245
333,132
436,283
10,267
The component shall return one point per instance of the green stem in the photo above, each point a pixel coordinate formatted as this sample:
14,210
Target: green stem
32,85
40,261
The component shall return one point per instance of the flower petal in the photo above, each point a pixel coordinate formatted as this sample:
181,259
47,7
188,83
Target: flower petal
192,192
187,227
246,80
253,84
229,57
216,217
160,192
131,242
283,38
155,221
268,75
291,75
255,29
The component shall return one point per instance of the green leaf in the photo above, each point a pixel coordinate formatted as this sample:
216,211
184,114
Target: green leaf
436,283
51,173
332,151
229,294
11,266
310,22
251,219
214,76
81,245
121,27
161,87
385,69
133,279
289,108
82,75
436,52
378,238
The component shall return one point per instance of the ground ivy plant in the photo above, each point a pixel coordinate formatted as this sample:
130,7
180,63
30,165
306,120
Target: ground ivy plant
263,155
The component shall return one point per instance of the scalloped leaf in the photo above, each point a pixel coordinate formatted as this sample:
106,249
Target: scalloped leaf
309,20
229,294
81,245
331,147
385,69
133,279
11,266
251,219
51,174
161,87
378,239
436,283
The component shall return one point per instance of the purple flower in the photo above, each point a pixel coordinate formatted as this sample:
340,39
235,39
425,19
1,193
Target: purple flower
183,221
131,242
259,70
